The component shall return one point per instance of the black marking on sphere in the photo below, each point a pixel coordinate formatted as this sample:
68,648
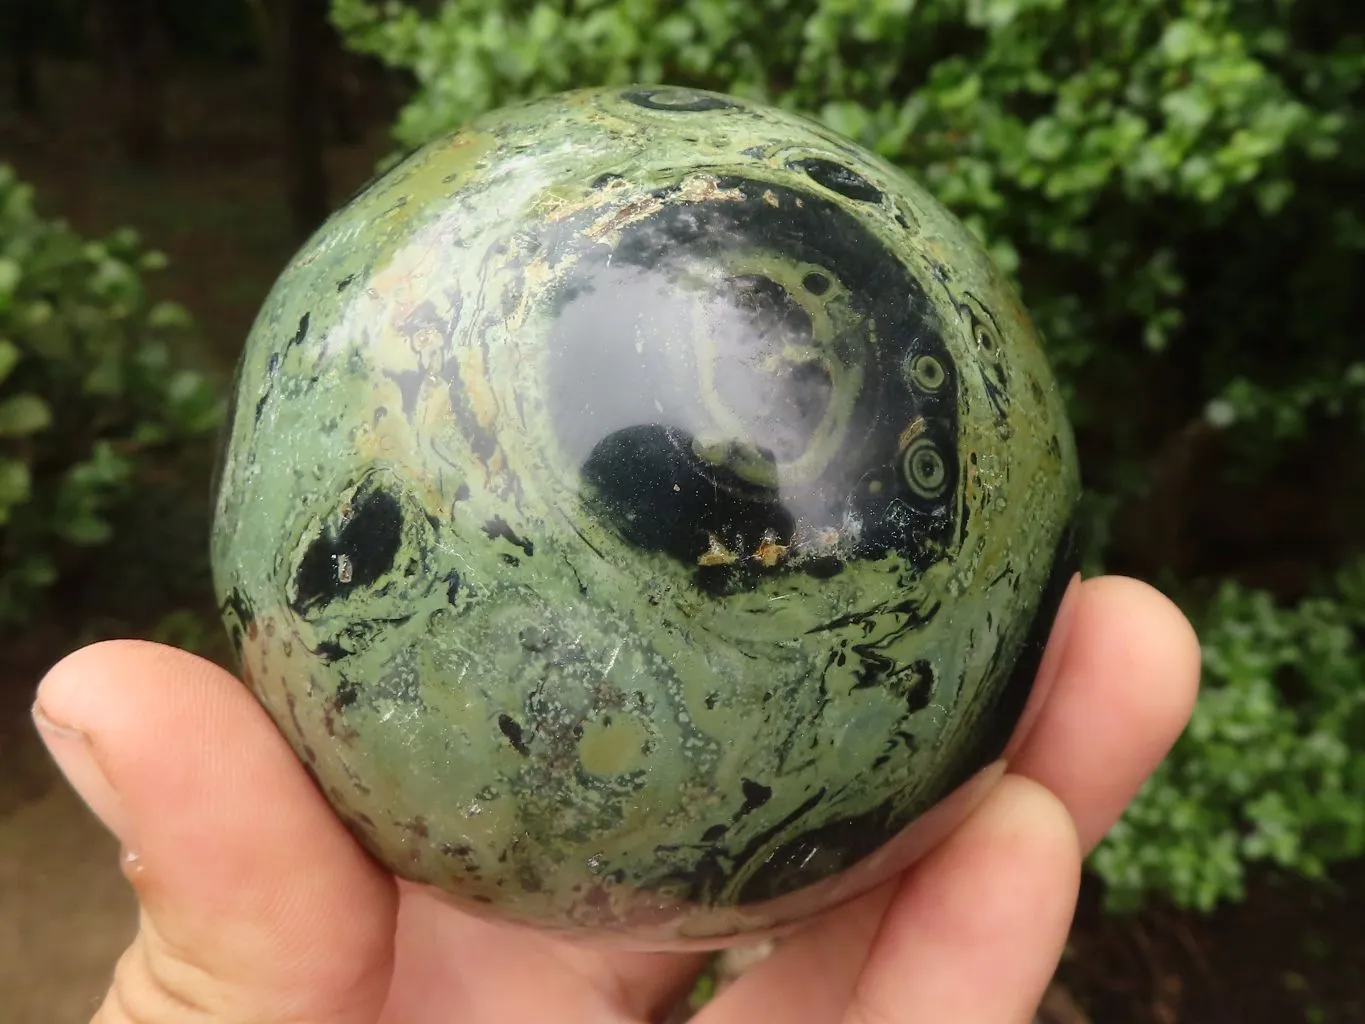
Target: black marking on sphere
660,497
611,288
838,178
512,730
685,100
497,528
815,282
238,610
819,853
300,334
369,539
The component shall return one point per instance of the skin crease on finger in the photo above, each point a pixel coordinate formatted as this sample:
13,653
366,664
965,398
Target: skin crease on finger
174,732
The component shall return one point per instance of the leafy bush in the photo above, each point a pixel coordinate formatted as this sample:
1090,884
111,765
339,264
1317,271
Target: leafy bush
89,393
1272,767
1175,185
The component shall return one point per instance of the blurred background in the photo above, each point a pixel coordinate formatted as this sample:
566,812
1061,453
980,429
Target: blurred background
1178,187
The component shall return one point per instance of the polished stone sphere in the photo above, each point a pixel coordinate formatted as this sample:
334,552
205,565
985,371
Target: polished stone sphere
643,511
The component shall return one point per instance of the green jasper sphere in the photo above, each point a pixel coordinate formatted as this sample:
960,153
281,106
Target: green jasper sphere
643,511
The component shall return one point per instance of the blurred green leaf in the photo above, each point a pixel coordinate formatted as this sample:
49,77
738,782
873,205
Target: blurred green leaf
9,358
15,485
21,415
88,389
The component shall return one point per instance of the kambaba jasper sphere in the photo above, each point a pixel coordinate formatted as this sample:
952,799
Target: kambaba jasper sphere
638,509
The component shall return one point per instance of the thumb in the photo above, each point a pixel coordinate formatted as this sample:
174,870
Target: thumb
256,905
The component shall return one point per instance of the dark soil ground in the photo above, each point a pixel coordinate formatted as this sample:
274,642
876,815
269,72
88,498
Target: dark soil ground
1290,952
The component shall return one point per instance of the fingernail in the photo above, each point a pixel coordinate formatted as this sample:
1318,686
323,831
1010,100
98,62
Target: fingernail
72,750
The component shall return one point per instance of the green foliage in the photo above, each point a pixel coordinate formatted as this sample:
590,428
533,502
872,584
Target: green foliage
1272,767
1176,186
89,393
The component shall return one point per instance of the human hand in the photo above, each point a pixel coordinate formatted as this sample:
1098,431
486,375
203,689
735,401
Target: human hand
258,907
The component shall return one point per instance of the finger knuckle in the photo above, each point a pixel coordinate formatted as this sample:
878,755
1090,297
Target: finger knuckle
149,989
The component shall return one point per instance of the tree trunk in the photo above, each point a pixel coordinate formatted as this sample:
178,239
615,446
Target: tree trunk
23,39
300,30
133,51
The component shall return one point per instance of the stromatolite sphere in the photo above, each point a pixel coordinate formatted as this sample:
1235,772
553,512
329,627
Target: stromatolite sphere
638,509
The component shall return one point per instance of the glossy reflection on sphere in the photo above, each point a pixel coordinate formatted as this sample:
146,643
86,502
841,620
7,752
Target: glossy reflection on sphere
638,509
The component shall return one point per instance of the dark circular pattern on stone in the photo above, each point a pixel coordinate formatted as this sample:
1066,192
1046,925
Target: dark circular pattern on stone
680,100
648,533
